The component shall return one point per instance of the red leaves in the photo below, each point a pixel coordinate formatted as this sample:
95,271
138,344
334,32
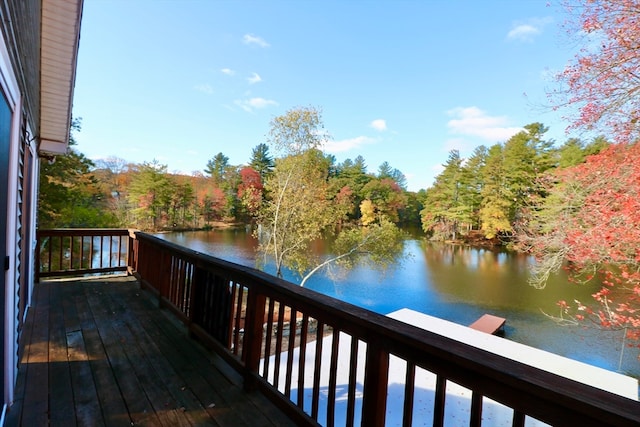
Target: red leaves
603,78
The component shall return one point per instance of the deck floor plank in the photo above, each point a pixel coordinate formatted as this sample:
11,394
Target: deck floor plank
36,397
113,406
179,390
61,397
106,355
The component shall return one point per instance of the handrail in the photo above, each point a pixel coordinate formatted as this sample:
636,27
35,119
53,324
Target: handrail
273,332
79,251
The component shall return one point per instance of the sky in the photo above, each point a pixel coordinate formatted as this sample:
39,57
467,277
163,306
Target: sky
398,81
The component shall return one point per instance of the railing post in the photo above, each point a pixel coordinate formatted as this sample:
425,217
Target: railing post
132,253
252,342
376,379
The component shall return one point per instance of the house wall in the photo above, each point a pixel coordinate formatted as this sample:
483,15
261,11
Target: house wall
19,83
24,50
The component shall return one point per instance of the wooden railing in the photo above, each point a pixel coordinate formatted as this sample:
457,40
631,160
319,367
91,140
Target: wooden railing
73,252
289,342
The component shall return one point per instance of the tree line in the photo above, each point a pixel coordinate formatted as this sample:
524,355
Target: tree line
77,192
493,191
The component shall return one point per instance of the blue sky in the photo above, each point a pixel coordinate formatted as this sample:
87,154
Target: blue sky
397,81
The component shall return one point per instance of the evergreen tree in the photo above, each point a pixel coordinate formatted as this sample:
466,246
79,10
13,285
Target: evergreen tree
261,161
150,193
496,197
217,167
445,214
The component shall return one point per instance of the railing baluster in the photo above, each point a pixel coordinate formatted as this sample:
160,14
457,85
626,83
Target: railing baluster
317,366
304,330
278,350
376,379
234,324
72,257
518,418
333,378
239,312
409,392
476,409
268,340
351,390
290,348
439,401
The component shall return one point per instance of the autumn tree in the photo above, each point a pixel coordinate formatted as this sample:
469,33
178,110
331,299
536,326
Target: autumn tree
600,85
300,209
590,217
250,189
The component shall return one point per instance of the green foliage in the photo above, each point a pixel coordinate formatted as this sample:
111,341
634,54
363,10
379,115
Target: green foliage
297,131
297,211
308,198
150,194
446,213
69,194
217,167
261,161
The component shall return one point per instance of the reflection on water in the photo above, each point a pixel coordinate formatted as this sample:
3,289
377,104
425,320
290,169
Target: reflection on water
456,283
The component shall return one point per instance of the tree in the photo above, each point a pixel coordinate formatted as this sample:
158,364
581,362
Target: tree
150,193
444,212
297,131
592,220
386,171
601,83
300,209
250,190
69,194
386,196
217,167
473,183
261,161
590,217
496,198
297,213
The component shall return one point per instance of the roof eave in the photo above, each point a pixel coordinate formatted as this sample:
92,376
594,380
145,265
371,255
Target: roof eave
58,59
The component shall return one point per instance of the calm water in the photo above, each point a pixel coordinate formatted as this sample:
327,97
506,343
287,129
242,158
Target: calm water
454,283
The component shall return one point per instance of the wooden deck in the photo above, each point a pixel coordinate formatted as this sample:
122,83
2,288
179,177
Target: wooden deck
100,353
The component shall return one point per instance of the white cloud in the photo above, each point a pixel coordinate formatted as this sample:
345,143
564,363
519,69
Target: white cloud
472,121
255,78
524,32
254,103
251,39
347,144
204,88
379,124
528,30
227,71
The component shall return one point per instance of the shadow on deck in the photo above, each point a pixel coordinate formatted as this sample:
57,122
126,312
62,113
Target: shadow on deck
99,352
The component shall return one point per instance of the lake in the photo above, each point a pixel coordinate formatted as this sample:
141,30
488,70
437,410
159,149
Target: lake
456,283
